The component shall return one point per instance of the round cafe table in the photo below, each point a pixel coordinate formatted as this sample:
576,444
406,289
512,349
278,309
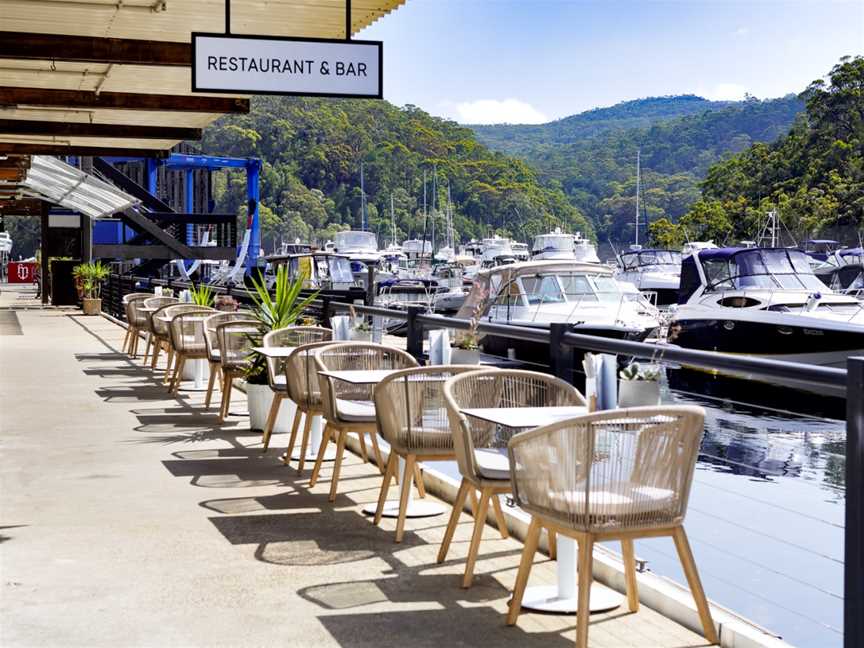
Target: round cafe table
561,598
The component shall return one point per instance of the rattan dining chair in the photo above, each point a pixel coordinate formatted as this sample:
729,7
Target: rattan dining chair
187,340
412,418
162,327
135,321
301,375
479,444
235,344
212,344
292,336
154,303
348,408
614,475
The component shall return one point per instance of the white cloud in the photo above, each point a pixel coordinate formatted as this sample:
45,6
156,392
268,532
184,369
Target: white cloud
741,32
726,92
495,111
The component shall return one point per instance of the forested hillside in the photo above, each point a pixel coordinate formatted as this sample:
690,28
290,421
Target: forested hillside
312,151
813,177
592,156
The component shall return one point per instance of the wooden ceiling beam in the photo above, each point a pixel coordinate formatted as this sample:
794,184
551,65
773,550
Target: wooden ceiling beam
24,148
22,207
121,100
83,129
87,49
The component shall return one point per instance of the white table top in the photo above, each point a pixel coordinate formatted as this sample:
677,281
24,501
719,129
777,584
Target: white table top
274,351
360,376
525,417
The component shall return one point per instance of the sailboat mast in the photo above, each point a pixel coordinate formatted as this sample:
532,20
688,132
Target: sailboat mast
638,190
392,221
363,223
425,218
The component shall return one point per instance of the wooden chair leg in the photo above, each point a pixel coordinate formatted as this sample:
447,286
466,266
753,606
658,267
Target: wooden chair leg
407,482
629,557
174,385
286,458
418,479
271,420
585,576
226,396
531,540
210,383
304,444
392,462
379,459
156,352
322,450
147,348
133,341
472,495
169,363
685,555
126,339
553,544
458,505
500,520
474,547
337,465
363,454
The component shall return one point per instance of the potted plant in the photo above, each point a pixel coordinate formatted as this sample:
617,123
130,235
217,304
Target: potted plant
226,303
361,329
202,295
465,348
639,386
78,276
92,275
279,310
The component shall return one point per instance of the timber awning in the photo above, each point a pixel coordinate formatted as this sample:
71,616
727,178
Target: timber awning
102,77
56,182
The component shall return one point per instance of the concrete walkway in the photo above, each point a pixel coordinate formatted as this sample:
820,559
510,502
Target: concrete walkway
132,519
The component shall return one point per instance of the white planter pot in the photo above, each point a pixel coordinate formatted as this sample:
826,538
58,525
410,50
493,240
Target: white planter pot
260,399
638,393
464,356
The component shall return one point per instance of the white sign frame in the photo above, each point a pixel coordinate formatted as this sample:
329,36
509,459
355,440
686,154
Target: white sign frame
290,43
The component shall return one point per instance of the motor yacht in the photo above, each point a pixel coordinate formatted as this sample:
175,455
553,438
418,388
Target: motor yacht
843,272
765,302
654,272
520,251
558,245
496,250
539,293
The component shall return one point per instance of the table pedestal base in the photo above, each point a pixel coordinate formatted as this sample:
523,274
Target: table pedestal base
415,509
548,598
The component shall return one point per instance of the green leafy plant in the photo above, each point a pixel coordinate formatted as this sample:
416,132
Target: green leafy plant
634,371
202,295
274,311
91,276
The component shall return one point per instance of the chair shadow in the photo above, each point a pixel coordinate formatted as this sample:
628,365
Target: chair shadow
308,539
452,626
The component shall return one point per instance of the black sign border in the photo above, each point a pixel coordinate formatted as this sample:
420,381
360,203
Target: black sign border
341,41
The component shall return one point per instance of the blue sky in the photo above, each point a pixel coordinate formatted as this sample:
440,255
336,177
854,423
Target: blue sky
530,61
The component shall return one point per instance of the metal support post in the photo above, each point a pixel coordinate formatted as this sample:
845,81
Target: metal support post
853,564
561,354
415,333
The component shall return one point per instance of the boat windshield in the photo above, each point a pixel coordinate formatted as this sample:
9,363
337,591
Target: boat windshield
340,270
762,269
664,260
560,288
356,241
556,243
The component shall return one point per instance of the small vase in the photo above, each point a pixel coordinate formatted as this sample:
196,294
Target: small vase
464,356
638,393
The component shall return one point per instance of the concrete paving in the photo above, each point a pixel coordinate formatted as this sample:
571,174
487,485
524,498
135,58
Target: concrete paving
128,518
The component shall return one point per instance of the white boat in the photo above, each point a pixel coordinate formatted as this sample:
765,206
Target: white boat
558,245
520,251
765,302
655,273
5,243
496,251
695,246
357,246
539,293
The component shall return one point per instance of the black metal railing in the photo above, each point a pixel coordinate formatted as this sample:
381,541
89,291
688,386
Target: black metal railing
565,345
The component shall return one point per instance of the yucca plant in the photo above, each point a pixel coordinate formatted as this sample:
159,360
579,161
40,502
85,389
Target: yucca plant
202,295
281,309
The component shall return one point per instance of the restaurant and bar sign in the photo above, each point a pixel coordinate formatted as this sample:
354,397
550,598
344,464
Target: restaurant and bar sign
286,66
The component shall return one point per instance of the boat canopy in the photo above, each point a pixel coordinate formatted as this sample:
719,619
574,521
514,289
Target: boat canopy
667,260
541,282
556,242
354,240
757,268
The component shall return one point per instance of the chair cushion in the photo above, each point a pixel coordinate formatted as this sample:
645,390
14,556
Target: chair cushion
355,411
492,464
620,498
